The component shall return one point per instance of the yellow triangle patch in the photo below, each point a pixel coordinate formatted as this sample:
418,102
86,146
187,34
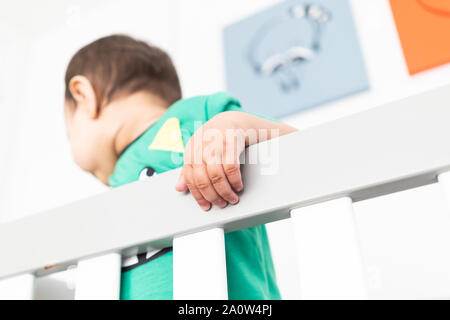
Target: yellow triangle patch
169,137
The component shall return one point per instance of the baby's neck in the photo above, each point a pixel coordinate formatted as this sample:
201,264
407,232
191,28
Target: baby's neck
124,120
137,113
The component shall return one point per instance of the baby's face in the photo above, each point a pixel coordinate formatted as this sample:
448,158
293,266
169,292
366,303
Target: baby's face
85,137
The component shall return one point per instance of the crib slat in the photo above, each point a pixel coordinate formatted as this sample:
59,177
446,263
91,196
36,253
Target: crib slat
99,278
444,181
17,288
329,260
199,266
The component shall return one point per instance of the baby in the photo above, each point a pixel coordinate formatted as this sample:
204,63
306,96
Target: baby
126,120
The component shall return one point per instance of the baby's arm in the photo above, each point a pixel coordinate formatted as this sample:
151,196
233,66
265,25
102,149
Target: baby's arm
211,168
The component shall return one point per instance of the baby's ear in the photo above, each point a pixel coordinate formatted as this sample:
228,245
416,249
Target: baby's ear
84,95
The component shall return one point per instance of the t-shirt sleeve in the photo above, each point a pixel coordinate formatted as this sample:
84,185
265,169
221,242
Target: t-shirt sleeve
221,102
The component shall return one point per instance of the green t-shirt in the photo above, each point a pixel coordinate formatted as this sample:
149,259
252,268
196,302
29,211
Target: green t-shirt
250,271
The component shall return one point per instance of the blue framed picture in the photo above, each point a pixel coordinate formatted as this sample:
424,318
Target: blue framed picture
293,56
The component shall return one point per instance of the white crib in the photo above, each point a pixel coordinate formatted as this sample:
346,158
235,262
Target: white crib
313,178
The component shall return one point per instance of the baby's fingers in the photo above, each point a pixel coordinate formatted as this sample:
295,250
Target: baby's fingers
189,180
232,168
221,183
233,173
181,184
205,186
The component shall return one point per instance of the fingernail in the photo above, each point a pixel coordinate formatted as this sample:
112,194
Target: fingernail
205,207
234,200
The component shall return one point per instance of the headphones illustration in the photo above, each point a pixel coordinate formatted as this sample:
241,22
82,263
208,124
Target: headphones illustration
280,64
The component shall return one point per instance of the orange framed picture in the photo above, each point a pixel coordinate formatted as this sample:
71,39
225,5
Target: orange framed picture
424,30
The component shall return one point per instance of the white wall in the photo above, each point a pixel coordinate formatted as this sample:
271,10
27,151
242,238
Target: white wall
403,236
43,174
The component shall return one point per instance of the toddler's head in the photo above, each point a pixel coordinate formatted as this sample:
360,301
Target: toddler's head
113,86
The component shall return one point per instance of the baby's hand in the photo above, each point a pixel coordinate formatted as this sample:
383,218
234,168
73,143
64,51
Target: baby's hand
211,169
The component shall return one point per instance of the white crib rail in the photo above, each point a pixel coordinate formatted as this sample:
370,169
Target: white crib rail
444,181
17,288
329,260
199,266
99,278
387,149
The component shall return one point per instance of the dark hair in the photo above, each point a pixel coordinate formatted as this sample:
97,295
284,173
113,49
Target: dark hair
119,64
